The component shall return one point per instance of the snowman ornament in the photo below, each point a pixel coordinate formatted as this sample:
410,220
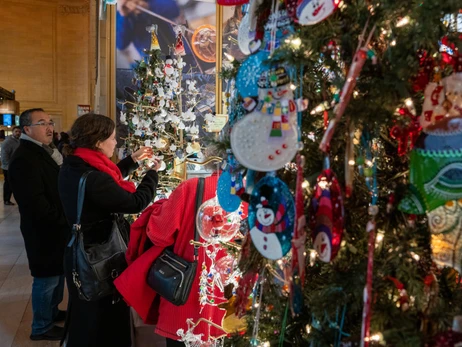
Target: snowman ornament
267,138
271,218
310,12
169,70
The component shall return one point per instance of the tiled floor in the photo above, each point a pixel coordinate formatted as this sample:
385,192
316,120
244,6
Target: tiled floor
15,284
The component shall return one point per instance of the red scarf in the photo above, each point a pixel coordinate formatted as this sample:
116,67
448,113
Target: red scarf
102,163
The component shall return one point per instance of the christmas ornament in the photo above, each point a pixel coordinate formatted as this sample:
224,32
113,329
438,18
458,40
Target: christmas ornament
196,340
204,43
271,217
326,216
154,40
442,99
210,279
403,301
179,45
214,224
406,135
249,73
231,322
267,139
227,189
297,277
452,337
445,224
291,8
310,12
230,185
362,52
244,36
232,2
435,168
373,211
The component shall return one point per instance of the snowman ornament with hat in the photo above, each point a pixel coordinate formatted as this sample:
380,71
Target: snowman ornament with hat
271,218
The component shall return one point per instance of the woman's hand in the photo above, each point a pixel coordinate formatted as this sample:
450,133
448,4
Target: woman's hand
156,164
142,153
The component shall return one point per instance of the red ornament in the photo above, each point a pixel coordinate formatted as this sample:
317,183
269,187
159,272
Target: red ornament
427,64
326,216
406,135
232,2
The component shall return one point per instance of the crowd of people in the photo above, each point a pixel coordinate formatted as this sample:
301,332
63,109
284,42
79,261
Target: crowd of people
45,187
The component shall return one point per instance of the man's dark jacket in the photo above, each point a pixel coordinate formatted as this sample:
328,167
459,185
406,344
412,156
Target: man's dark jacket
33,177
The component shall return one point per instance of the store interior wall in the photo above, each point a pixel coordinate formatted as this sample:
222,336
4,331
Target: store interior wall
48,55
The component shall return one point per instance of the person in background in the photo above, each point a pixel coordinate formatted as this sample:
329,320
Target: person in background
171,222
132,23
56,138
33,175
64,141
9,146
104,322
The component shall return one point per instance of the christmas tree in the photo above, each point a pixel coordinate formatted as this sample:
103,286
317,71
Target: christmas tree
162,113
367,274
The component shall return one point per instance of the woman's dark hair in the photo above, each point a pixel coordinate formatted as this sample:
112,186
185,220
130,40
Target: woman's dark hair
87,131
64,137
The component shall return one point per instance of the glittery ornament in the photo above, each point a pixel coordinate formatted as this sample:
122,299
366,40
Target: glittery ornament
271,217
326,216
249,73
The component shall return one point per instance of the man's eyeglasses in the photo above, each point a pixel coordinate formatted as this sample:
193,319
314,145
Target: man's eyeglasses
43,124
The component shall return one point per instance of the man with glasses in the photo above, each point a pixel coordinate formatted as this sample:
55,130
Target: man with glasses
33,174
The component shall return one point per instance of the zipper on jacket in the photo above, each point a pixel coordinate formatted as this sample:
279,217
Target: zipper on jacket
175,268
176,261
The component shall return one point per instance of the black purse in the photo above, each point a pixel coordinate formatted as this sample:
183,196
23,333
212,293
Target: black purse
96,265
171,276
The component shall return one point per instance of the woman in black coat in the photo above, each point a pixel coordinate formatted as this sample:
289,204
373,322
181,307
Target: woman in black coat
103,322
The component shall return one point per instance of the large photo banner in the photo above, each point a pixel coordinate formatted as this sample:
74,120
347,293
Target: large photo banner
135,17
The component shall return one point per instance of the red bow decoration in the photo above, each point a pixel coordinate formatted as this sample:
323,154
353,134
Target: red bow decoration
406,135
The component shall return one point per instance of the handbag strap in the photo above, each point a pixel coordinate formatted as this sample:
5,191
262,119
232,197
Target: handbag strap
199,197
75,232
81,197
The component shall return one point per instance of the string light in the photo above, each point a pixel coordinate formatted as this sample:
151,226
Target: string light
308,329
293,86
409,102
402,22
228,56
305,184
296,43
393,43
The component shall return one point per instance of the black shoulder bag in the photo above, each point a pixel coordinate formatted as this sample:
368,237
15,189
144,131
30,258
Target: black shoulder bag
171,276
95,266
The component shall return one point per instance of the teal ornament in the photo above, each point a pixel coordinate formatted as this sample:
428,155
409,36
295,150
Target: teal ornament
249,74
228,201
271,217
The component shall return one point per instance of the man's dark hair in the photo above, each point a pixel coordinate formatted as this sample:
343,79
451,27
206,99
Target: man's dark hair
25,119
14,128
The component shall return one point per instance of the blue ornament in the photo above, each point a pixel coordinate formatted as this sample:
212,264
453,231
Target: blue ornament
249,73
228,201
272,218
